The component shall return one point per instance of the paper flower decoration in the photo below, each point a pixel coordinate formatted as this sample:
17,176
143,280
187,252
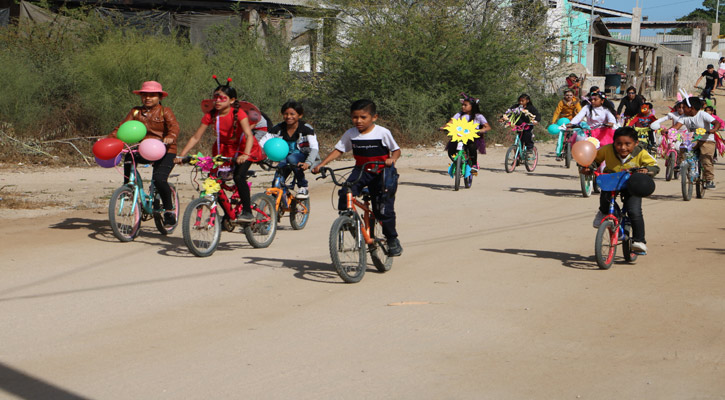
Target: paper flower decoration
211,186
461,130
699,133
594,140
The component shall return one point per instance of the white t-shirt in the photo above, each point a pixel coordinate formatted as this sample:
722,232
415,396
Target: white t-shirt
375,145
722,65
699,120
600,116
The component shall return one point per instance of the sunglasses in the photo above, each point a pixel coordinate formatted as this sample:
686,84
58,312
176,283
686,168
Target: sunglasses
631,93
219,97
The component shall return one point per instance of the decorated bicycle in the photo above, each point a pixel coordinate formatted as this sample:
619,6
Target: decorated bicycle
566,138
461,132
691,171
130,203
282,189
669,144
517,154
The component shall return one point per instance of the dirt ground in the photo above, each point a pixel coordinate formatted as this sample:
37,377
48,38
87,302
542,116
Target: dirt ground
496,296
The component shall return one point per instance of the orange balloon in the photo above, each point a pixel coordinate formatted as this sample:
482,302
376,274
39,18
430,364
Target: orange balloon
584,152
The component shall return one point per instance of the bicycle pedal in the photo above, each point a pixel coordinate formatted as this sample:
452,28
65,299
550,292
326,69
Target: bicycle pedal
474,173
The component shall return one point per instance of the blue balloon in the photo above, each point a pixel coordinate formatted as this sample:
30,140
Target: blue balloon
554,129
276,149
563,121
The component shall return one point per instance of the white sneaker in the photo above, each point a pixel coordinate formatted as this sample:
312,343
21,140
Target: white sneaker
302,193
639,247
598,219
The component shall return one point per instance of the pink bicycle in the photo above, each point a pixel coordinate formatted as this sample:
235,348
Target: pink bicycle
668,150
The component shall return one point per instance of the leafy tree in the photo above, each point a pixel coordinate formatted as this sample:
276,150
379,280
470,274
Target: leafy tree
706,14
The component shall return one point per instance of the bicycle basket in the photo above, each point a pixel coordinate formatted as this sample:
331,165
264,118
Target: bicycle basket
614,181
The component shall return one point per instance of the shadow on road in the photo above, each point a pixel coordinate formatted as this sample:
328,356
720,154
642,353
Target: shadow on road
549,192
28,387
433,186
307,270
719,251
567,259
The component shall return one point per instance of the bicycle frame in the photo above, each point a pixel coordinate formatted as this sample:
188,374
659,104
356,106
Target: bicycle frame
139,195
353,204
280,191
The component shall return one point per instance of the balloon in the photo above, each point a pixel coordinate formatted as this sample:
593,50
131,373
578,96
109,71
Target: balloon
563,121
276,149
641,185
554,129
109,163
584,125
107,149
584,152
131,131
152,149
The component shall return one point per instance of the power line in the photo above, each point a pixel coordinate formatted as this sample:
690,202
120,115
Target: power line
665,5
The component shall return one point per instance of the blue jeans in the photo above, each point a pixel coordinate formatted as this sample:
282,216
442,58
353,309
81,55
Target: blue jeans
293,159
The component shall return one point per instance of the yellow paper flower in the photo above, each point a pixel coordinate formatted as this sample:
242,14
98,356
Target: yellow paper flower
699,133
593,140
461,130
211,186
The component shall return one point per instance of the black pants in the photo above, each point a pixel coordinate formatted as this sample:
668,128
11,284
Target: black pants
383,205
160,177
527,138
471,151
634,210
240,179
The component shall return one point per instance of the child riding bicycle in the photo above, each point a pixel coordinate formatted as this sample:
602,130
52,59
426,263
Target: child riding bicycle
470,110
696,118
160,124
622,155
370,142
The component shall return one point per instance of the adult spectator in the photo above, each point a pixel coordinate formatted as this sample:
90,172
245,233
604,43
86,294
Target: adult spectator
632,103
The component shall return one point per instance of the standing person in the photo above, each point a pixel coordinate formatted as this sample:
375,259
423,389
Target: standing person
631,103
600,117
370,142
471,111
720,71
160,124
696,118
234,138
300,137
527,134
711,78
568,107
574,84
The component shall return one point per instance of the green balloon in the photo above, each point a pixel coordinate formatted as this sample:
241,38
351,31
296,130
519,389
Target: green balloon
131,132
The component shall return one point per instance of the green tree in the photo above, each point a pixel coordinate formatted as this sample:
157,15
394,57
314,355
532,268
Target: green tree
706,15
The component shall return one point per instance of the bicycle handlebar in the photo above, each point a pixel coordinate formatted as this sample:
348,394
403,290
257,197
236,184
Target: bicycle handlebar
325,170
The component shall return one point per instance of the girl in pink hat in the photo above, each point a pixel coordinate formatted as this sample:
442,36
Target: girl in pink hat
234,138
160,124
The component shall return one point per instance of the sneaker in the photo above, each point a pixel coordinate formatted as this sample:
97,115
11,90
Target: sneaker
245,217
474,169
558,158
598,220
394,247
169,218
709,185
302,193
639,248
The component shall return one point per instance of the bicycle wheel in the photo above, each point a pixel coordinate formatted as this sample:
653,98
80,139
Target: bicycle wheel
457,173
468,182
629,255
347,249
586,183
378,250
124,214
159,217
530,162
605,244
567,155
201,227
512,157
300,213
685,181
260,233
700,182
670,166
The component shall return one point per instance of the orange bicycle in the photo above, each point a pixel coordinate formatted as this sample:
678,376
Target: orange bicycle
353,233
285,200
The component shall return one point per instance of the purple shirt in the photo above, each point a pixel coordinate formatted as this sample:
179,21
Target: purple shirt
480,119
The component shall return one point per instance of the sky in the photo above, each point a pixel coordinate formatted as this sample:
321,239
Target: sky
656,10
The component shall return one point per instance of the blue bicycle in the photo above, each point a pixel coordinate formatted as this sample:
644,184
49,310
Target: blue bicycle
517,153
130,204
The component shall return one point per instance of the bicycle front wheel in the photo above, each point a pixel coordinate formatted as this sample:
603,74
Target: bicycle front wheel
457,173
159,217
700,182
300,213
605,244
201,227
685,181
670,166
347,249
260,233
531,161
124,214
512,157
586,182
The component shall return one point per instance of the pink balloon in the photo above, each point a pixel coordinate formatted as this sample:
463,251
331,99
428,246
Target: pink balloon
584,152
152,149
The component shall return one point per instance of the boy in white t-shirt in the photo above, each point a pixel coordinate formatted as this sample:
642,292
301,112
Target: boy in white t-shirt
370,142
696,118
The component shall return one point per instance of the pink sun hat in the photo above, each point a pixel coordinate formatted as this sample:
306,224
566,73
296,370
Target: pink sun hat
151,87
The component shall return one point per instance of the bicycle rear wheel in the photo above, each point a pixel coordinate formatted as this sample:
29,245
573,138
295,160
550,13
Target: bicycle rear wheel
124,214
347,249
159,217
457,173
605,244
670,166
260,233
468,182
512,157
567,155
300,213
629,255
378,250
530,162
685,181
201,227
700,182
586,182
